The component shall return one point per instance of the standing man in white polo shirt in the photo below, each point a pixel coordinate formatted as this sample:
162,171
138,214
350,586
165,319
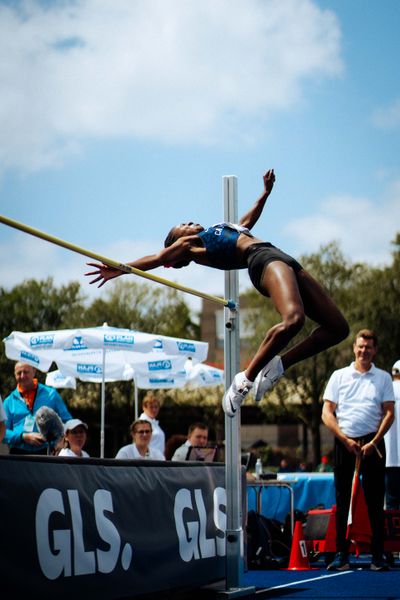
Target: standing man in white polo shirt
359,409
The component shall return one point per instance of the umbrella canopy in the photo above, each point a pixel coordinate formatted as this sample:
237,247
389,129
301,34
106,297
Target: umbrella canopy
199,375
191,375
69,347
57,380
202,375
101,354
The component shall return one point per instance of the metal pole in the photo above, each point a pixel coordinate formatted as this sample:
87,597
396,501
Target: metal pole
103,405
233,483
136,399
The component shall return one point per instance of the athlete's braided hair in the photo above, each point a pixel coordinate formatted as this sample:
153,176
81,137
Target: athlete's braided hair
169,240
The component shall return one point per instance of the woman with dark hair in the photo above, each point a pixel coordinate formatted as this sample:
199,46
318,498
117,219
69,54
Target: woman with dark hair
293,291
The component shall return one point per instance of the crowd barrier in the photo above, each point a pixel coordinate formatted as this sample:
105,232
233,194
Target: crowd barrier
109,529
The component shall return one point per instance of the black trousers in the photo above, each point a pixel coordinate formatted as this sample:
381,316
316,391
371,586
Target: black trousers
373,480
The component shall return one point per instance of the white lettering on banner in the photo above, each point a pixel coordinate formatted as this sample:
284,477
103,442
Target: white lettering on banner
107,559
52,563
192,536
84,562
60,549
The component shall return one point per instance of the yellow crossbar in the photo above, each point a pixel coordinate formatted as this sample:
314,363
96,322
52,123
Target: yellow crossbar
113,263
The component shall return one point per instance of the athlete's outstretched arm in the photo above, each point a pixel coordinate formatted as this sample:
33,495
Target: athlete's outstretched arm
178,251
251,217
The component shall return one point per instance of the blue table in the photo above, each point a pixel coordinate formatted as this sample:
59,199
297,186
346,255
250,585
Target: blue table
309,490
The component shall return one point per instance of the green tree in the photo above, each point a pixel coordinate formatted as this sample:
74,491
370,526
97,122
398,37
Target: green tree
145,307
35,306
376,306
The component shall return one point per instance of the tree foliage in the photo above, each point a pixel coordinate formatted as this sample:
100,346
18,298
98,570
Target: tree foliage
143,307
376,305
35,306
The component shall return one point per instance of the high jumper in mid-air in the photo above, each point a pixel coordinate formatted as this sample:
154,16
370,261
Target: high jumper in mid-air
294,293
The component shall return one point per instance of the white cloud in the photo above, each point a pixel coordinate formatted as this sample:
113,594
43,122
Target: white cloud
363,227
176,72
387,117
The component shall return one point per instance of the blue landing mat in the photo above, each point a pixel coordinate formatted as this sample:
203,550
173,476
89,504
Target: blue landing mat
360,583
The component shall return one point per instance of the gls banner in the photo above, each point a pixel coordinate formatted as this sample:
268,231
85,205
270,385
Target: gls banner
109,528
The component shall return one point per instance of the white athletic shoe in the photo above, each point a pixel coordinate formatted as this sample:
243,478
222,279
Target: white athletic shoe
268,377
238,391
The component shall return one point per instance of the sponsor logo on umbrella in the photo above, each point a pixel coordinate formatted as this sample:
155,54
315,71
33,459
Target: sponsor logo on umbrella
115,339
89,369
29,356
186,347
159,380
160,365
77,344
38,341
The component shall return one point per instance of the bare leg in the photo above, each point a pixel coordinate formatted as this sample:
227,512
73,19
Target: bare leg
280,284
294,296
320,308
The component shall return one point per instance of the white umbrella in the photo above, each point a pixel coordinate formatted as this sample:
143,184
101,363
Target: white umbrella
57,380
191,375
202,375
103,353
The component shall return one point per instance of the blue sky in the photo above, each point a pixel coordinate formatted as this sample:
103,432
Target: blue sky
118,119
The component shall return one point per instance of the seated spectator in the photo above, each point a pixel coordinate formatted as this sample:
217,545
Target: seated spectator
141,432
21,407
151,407
75,435
197,436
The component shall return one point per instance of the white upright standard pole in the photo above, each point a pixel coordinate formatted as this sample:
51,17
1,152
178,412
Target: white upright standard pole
103,405
233,471
136,398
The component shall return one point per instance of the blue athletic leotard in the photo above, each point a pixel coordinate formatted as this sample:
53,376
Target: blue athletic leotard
220,243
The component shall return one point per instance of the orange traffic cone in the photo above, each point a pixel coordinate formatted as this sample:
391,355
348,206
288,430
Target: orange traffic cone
298,554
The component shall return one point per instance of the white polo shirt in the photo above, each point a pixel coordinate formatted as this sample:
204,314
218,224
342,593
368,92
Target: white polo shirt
359,398
130,451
